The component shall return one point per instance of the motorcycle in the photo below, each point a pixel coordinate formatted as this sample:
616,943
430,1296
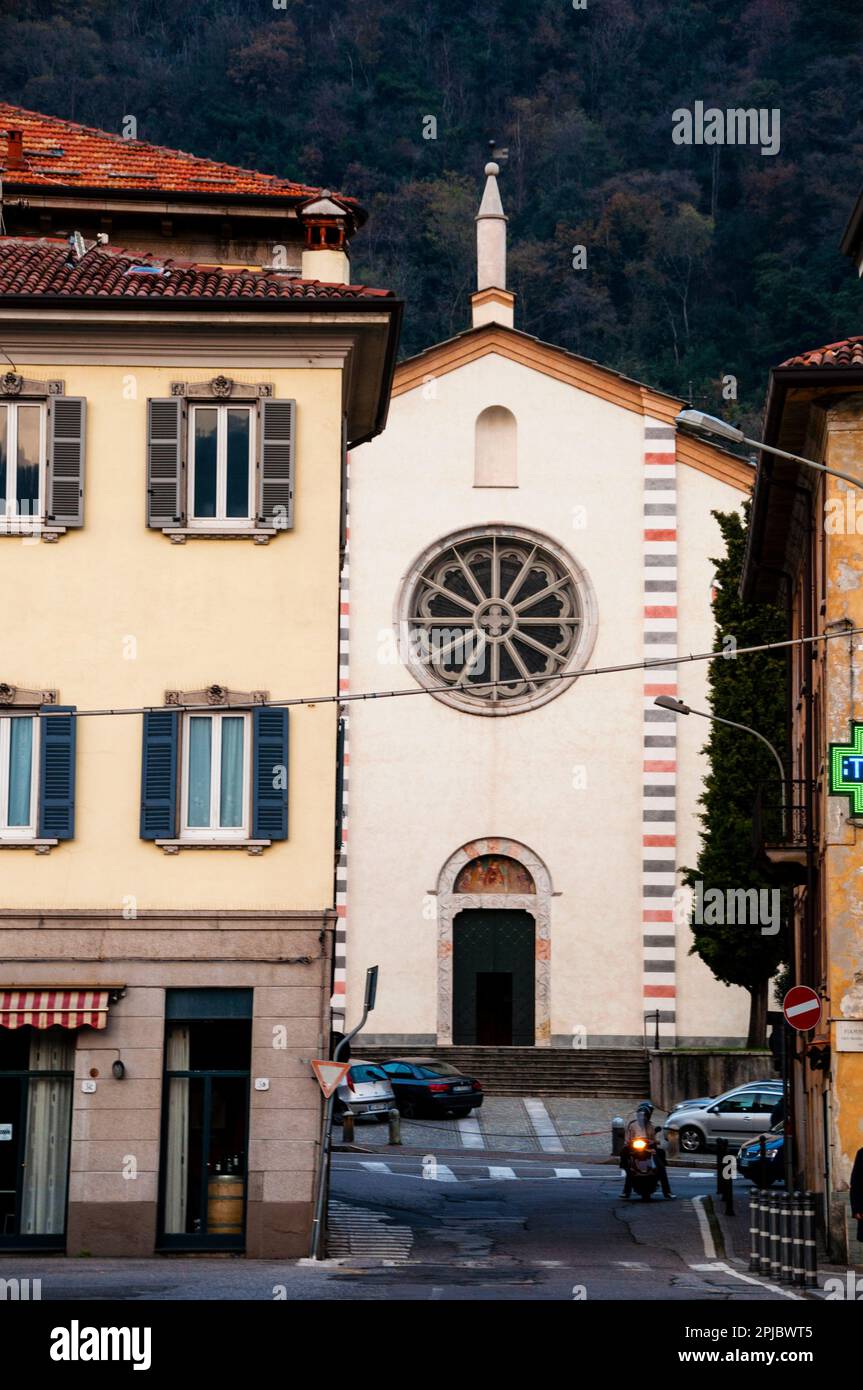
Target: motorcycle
643,1172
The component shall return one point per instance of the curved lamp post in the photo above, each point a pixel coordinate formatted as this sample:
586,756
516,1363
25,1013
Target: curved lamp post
711,424
678,707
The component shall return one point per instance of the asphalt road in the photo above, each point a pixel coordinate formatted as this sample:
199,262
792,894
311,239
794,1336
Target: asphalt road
458,1227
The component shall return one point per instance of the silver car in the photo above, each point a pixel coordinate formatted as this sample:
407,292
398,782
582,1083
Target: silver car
737,1115
365,1091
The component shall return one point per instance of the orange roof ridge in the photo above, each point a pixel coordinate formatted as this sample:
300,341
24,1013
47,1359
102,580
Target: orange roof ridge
847,352
38,267
95,158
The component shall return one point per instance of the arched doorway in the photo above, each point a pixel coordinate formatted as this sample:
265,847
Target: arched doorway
494,899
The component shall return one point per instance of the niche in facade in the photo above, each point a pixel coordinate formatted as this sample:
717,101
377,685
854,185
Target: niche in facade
496,448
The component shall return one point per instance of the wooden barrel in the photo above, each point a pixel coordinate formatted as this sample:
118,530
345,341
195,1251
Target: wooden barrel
225,1205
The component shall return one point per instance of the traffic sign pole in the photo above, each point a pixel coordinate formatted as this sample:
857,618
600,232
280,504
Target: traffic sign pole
326,1136
801,1010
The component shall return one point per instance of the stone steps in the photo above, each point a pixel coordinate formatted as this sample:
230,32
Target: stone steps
528,1071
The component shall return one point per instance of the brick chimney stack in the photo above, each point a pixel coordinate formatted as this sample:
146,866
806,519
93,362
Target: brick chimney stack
15,150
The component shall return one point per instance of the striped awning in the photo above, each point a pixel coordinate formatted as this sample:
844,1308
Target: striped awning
48,1008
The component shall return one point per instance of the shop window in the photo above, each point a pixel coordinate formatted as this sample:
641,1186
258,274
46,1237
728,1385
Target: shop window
36,1076
205,1128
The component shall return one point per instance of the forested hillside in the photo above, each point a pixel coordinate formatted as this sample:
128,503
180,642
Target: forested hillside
701,261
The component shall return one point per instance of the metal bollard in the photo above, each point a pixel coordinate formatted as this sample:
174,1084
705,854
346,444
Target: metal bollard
721,1151
810,1254
618,1135
754,1228
785,1271
395,1123
798,1275
775,1252
764,1236
347,1127
672,1137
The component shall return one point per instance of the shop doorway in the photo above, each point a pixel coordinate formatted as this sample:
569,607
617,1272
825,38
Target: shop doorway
205,1127
36,1077
494,954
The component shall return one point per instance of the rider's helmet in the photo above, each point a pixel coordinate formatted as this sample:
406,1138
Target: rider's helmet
645,1107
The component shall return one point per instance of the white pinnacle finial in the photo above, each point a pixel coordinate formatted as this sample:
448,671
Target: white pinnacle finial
491,235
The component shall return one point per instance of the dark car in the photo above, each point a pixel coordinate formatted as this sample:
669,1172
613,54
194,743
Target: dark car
422,1084
763,1170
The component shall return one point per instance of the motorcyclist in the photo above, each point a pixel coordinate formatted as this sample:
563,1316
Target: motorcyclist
641,1126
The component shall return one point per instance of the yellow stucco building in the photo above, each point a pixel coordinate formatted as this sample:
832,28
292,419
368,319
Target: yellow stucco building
172,458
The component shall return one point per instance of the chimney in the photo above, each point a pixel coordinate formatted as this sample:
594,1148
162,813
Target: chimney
15,150
492,302
325,247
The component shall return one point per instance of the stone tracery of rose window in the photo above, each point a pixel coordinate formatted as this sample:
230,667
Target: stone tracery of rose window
492,616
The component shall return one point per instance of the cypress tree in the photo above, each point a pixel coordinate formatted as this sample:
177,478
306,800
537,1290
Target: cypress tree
750,690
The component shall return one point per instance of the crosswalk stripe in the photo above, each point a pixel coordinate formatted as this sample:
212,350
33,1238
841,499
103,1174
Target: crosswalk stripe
471,1134
543,1127
440,1173
377,1167
501,1173
567,1172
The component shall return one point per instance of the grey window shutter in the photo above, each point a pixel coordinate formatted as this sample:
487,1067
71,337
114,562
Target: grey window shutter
166,471
276,444
64,477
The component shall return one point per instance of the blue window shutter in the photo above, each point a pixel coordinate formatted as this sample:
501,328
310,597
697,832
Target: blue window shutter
270,776
57,772
159,775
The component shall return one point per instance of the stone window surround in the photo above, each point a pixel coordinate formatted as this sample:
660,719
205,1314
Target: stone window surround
222,388
538,904
214,697
578,659
15,697
14,387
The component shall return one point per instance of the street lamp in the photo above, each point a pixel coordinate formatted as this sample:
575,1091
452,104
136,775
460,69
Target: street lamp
678,707
711,424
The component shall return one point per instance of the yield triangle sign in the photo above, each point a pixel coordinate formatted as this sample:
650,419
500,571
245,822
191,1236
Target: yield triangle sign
329,1074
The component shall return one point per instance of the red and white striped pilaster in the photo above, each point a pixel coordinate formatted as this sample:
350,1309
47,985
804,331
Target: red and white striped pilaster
659,767
340,960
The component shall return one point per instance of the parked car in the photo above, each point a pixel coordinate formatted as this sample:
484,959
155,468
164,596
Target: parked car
423,1084
699,1102
763,1172
741,1114
365,1091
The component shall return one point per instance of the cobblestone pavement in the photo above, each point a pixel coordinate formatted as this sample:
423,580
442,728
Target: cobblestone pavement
549,1124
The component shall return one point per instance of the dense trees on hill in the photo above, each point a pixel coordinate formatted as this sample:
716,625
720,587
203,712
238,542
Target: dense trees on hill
701,261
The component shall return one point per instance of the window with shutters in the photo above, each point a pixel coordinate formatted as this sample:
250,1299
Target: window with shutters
19,773
221,466
216,779
22,464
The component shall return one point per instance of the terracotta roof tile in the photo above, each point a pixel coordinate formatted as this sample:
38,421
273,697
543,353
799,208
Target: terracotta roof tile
44,267
63,154
846,353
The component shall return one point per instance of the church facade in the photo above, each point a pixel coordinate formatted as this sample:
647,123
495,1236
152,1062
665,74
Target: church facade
514,830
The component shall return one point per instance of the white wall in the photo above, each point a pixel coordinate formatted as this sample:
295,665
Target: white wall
425,778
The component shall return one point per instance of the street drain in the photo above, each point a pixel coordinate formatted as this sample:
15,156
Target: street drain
360,1231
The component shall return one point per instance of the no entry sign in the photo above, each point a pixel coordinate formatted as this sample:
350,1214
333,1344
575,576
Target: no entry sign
802,1008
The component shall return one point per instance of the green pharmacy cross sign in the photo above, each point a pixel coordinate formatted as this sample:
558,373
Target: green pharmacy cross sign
846,769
